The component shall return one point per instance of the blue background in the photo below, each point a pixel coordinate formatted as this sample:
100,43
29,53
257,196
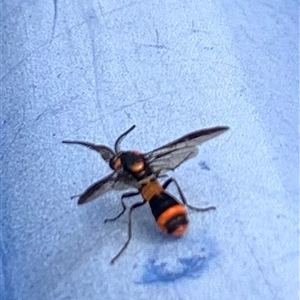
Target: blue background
89,70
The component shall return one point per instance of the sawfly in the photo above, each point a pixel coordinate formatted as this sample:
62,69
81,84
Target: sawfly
142,171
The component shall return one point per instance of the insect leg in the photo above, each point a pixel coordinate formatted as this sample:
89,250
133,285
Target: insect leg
167,183
126,195
75,196
132,208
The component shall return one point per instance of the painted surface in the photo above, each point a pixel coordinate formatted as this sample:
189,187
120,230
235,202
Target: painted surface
89,70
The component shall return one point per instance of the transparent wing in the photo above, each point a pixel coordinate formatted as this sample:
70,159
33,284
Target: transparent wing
161,160
172,155
173,160
106,152
117,180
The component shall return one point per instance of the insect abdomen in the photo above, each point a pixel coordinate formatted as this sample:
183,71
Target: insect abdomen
170,215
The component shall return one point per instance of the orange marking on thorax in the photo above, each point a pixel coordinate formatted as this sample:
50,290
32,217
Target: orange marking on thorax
151,189
168,215
138,167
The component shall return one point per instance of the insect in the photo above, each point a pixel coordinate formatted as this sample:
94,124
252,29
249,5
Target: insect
142,171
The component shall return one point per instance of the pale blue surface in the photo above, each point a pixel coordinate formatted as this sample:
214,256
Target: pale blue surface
170,69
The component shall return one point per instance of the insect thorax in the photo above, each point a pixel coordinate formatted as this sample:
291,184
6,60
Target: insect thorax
135,165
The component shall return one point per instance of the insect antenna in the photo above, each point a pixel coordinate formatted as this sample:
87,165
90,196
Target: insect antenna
121,137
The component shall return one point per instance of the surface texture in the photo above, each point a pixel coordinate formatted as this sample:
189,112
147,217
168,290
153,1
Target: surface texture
89,70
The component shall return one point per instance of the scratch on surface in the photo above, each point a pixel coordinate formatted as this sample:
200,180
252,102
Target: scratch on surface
157,45
133,103
14,137
8,15
195,30
11,143
91,26
54,111
22,60
258,265
6,281
34,50
54,18
120,8
92,22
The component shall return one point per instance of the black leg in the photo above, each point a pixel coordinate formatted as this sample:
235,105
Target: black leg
126,195
132,208
167,183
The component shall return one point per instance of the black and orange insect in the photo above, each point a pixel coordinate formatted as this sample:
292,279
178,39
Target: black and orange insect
142,171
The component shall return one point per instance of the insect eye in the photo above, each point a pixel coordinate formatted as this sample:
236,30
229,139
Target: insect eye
116,163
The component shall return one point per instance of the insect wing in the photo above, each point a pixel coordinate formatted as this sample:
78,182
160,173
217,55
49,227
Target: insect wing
171,155
114,181
106,152
172,160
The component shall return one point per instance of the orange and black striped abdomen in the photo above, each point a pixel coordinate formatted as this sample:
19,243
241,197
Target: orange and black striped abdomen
170,215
